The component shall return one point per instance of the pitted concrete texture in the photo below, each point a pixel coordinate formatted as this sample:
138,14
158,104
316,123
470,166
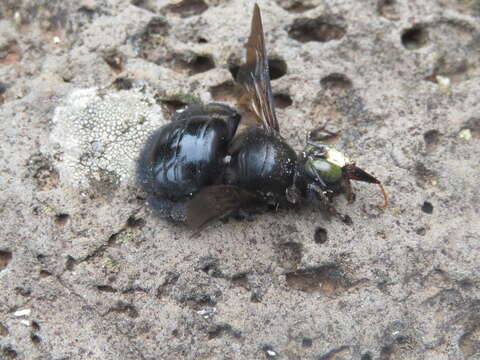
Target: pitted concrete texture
88,272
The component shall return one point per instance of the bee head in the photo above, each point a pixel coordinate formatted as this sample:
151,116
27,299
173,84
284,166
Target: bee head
332,170
324,163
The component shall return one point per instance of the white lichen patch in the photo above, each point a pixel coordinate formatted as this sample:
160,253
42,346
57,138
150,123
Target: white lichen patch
100,133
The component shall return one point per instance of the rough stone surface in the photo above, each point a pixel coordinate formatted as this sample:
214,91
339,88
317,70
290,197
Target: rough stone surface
100,134
103,278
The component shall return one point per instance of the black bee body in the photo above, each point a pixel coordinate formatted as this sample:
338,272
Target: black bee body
261,162
198,169
187,154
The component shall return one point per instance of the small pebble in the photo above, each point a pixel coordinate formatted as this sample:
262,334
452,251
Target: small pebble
271,353
465,134
24,312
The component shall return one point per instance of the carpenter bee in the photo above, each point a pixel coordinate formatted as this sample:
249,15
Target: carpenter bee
199,168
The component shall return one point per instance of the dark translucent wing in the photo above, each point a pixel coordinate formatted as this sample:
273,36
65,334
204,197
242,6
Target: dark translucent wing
215,202
254,77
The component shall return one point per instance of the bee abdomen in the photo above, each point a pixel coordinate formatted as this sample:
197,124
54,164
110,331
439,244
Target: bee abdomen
183,157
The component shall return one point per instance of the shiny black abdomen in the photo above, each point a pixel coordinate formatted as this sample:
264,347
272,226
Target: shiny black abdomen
261,162
184,156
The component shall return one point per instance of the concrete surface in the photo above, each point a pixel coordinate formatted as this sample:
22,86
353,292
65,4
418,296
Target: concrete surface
86,272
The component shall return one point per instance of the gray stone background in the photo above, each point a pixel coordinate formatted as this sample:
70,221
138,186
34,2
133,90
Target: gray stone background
87,272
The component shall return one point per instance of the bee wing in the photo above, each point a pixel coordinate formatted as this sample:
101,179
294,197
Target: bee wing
254,77
214,202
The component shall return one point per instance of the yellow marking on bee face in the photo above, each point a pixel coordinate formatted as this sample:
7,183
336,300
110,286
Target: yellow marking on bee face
336,157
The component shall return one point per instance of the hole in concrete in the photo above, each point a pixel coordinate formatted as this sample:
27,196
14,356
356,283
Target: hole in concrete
69,263
156,27
466,284
5,258
282,101
473,124
209,265
47,178
223,92
9,353
277,68
297,7
218,330
44,273
35,338
3,90
341,352
269,352
3,330
290,255
423,174
145,4
366,356
200,301
61,219
202,40
87,12
306,342
106,288
114,59
123,83
186,8
469,343
421,231
256,297
322,29
125,308
23,291
325,134
336,83
134,223
427,207
347,220
170,280
320,236
449,69
35,325
415,38
431,138
200,64
152,41
234,68
327,279
240,280
387,9
170,107
10,54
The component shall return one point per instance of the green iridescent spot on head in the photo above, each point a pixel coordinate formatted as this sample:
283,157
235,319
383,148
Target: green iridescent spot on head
326,170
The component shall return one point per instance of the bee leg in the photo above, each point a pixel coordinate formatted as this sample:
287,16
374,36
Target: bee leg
321,134
323,197
293,195
317,151
348,190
